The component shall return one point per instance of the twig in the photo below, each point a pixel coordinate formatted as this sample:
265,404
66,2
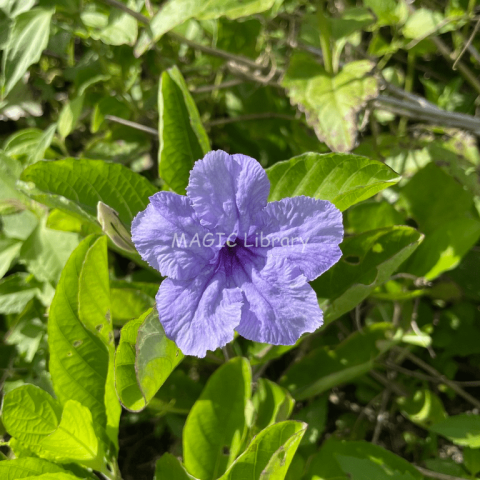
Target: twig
381,415
128,123
395,387
436,117
439,476
210,88
121,6
469,41
246,118
425,366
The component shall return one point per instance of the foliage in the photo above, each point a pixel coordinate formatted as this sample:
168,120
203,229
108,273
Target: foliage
103,103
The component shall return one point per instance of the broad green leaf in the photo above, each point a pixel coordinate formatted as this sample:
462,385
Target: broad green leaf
183,140
9,250
424,408
422,23
368,260
169,468
269,454
176,12
272,403
371,216
15,7
327,463
471,459
28,38
25,467
366,469
9,173
343,179
144,359
108,106
216,425
44,142
76,186
54,476
324,368
315,416
69,116
74,440
463,430
129,302
30,414
16,291
388,12
442,208
46,251
80,357
330,102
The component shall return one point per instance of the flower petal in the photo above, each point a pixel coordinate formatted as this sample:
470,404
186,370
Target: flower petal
279,303
199,314
227,191
165,236
304,231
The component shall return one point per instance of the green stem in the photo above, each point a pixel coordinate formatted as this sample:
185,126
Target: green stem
402,126
325,39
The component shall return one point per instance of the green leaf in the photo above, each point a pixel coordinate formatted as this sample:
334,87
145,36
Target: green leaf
421,23
315,416
9,250
46,251
129,302
330,102
183,140
25,467
366,469
77,185
272,403
328,463
216,425
424,408
16,291
269,454
108,106
463,430
388,12
81,350
44,142
74,440
368,260
343,179
144,359
471,459
15,7
176,12
442,208
28,38
69,116
371,216
54,476
324,368
30,414
169,468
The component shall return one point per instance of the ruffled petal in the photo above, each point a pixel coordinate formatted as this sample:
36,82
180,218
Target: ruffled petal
279,304
169,236
304,231
227,191
199,314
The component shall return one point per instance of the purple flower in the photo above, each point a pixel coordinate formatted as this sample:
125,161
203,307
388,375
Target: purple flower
234,261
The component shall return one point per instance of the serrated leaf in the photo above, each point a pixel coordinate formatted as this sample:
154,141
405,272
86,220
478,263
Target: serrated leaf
343,179
81,357
216,425
183,139
176,12
77,185
324,368
330,102
368,260
463,430
269,454
144,359
28,38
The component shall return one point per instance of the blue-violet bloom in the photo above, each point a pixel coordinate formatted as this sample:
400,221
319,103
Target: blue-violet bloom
234,261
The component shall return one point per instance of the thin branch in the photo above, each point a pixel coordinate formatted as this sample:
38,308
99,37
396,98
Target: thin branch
469,41
396,388
436,117
381,417
246,118
121,6
428,368
439,476
211,88
128,123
